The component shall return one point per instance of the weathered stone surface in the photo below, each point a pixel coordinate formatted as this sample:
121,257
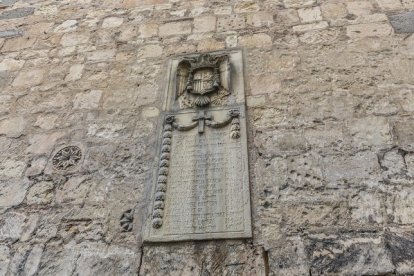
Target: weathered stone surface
29,78
10,33
40,193
13,127
88,100
16,13
403,22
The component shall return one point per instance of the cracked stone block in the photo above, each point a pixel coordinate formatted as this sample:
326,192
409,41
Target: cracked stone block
403,22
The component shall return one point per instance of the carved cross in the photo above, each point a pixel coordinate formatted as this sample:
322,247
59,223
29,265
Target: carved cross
201,118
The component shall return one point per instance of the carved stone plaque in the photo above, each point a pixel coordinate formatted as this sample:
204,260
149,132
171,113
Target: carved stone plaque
200,186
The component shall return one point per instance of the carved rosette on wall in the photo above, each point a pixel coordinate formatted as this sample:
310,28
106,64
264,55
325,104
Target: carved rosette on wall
203,81
126,220
67,158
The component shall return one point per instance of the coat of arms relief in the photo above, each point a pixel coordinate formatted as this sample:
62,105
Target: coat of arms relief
203,81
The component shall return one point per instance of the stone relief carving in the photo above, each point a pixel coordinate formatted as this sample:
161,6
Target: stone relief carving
67,158
170,123
126,220
203,81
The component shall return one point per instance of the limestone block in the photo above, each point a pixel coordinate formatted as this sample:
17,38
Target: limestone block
102,55
5,257
66,26
308,15
392,162
150,51
409,160
46,121
150,111
40,193
402,69
204,24
405,135
112,22
370,132
332,11
359,8
289,257
175,28
88,100
12,193
256,101
208,45
16,13
400,206
260,40
231,22
73,39
366,208
36,167
264,84
401,247
75,72
368,30
39,29
13,127
43,143
298,3
310,27
17,44
349,256
11,226
11,64
408,4
29,78
246,6
11,168
390,4
74,190
361,166
148,30
403,22
260,19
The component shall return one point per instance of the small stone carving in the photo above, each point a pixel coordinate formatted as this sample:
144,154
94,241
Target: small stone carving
67,158
126,220
203,81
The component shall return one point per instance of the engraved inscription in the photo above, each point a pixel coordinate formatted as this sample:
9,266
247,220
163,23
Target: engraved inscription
204,177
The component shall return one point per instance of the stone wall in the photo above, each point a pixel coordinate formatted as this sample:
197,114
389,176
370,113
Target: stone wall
330,90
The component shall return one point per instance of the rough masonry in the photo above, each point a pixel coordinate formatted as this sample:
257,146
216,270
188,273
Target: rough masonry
329,106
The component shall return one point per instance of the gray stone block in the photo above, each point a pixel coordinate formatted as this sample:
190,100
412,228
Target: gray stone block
403,22
16,13
7,2
10,33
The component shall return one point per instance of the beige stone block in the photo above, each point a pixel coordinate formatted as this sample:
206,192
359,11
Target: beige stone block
148,30
17,44
256,101
256,40
175,28
225,10
402,69
12,168
333,10
368,30
406,100
12,193
246,6
102,55
43,143
260,19
29,78
298,3
231,40
73,39
40,193
112,22
309,15
150,51
408,4
366,208
67,26
13,127
206,45
231,22
370,132
75,72
204,24
46,121
39,29
89,100
310,27
404,131
264,84
359,7
9,64
281,62
390,4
